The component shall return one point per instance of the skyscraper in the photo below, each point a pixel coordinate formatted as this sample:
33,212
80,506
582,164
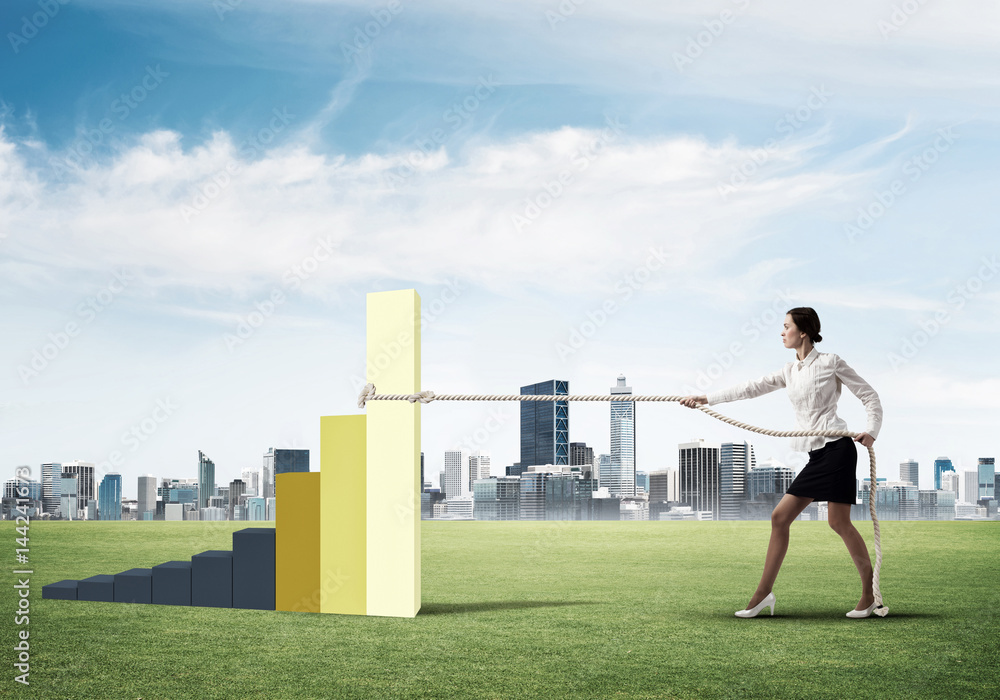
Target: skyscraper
109,497
908,473
987,477
68,505
206,479
698,471
604,470
545,425
479,467
770,476
147,496
580,455
941,465
736,459
251,478
267,475
86,489
621,474
236,499
456,474
282,461
968,488
51,475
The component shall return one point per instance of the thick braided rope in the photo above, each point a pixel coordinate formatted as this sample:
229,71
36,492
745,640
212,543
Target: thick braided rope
426,396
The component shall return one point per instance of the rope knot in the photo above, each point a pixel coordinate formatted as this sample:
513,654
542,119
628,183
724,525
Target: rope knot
366,394
425,396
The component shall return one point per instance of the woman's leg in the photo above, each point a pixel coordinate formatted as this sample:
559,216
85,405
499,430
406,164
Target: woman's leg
784,513
840,521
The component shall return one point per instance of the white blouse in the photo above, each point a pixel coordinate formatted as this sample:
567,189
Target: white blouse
814,389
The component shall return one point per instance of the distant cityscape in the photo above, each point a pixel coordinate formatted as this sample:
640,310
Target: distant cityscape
555,479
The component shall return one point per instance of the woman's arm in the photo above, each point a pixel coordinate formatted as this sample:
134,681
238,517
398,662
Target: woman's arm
863,390
749,389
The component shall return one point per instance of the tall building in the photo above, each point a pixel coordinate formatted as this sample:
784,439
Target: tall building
68,498
567,497
604,470
936,505
456,474
908,473
736,459
497,498
23,488
968,486
663,485
532,503
147,496
621,481
86,488
941,465
51,475
894,500
580,455
237,489
109,497
282,461
206,479
698,470
641,482
267,475
545,425
479,467
987,478
251,478
769,477
950,482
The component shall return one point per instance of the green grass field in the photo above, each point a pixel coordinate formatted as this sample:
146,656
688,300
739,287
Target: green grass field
538,610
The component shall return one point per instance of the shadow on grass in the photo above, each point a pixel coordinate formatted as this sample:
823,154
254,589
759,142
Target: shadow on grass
451,608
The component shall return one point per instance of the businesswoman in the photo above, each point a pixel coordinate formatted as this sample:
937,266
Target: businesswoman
813,381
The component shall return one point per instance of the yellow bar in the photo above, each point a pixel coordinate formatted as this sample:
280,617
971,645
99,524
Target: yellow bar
343,528
296,542
393,508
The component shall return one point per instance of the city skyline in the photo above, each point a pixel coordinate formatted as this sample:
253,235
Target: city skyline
186,256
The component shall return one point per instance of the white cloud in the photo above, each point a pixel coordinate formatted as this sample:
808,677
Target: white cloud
593,199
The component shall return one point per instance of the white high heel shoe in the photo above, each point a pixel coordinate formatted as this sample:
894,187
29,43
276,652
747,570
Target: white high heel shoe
768,602
862,613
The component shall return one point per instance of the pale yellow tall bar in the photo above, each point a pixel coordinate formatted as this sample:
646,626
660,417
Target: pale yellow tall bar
393,455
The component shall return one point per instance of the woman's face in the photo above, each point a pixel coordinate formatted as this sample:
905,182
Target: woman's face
791,336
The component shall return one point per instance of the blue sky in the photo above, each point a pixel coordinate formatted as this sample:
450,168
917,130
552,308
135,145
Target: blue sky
166,167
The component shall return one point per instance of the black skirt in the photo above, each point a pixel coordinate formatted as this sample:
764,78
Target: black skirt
830,473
